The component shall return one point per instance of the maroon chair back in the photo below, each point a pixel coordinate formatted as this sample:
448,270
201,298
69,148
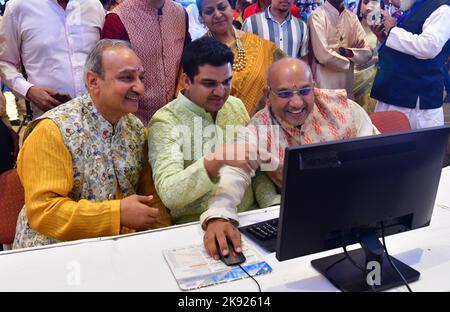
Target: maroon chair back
15,141
390,121
12,199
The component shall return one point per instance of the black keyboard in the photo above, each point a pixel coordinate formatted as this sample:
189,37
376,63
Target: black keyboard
264,233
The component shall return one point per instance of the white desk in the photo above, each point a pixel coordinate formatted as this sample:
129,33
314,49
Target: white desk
136,263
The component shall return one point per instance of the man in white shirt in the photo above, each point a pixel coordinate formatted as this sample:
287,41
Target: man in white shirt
196,29
52,39
411,60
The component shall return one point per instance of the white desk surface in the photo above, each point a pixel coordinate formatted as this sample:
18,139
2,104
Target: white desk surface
135,262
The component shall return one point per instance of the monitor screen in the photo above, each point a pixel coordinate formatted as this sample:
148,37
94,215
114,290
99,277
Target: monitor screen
352,191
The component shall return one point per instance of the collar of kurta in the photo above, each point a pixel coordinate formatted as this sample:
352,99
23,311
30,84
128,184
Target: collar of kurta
331,9
98,122
146,6
196,109
88,104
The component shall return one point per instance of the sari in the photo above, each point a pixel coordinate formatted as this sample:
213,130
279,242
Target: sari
364,76
249,83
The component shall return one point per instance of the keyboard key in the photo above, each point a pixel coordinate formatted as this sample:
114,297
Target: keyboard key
256,233
263,232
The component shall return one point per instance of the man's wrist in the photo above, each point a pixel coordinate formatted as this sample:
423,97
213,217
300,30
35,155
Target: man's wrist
389,31
212,164
216,219
22,87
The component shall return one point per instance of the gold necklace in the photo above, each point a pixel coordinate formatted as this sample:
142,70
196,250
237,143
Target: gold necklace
241,60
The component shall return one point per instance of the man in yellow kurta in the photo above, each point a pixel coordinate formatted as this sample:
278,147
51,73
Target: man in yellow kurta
338,42
188,137
295,114
83,163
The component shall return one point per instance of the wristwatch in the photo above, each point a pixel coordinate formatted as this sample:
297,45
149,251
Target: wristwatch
342,51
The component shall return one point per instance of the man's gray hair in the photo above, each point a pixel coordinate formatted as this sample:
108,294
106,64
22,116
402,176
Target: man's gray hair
94,61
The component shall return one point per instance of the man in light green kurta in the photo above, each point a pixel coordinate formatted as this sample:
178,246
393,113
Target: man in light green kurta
192,137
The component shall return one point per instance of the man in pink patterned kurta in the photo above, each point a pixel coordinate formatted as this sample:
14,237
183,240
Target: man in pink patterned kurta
157,32
296,113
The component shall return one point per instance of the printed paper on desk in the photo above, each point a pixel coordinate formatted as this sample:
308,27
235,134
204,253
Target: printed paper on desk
193,268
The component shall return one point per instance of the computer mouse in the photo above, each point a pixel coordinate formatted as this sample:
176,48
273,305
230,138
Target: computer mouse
233,257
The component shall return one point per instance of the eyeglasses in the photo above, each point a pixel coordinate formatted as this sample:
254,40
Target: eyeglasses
211,84
287,94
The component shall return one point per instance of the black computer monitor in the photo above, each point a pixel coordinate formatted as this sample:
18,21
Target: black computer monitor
353,191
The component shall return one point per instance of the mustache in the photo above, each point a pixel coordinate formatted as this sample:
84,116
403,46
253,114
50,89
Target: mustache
133,94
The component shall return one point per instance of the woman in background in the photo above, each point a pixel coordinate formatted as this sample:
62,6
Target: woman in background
252,54
365,73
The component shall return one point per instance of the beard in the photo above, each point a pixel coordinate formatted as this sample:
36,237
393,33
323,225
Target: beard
284,7
405,5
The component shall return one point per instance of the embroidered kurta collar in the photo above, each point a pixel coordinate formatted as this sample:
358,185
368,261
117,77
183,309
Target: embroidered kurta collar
146,6
103,125
196,109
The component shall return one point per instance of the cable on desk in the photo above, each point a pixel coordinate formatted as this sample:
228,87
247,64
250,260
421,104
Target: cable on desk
347,255
334,264
259,287
390,261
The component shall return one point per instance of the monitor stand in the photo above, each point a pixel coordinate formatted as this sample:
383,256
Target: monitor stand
346,276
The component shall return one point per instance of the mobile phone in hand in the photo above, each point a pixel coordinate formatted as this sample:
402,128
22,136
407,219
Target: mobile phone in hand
62,97
374,16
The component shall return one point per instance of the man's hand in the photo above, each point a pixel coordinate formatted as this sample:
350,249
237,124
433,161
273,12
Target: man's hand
135,212
382,30
378,30
243,156
348,53
359,44
388,21
219,229
42,97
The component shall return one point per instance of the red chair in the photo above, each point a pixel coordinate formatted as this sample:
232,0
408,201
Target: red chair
15,141
390,121
12,199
